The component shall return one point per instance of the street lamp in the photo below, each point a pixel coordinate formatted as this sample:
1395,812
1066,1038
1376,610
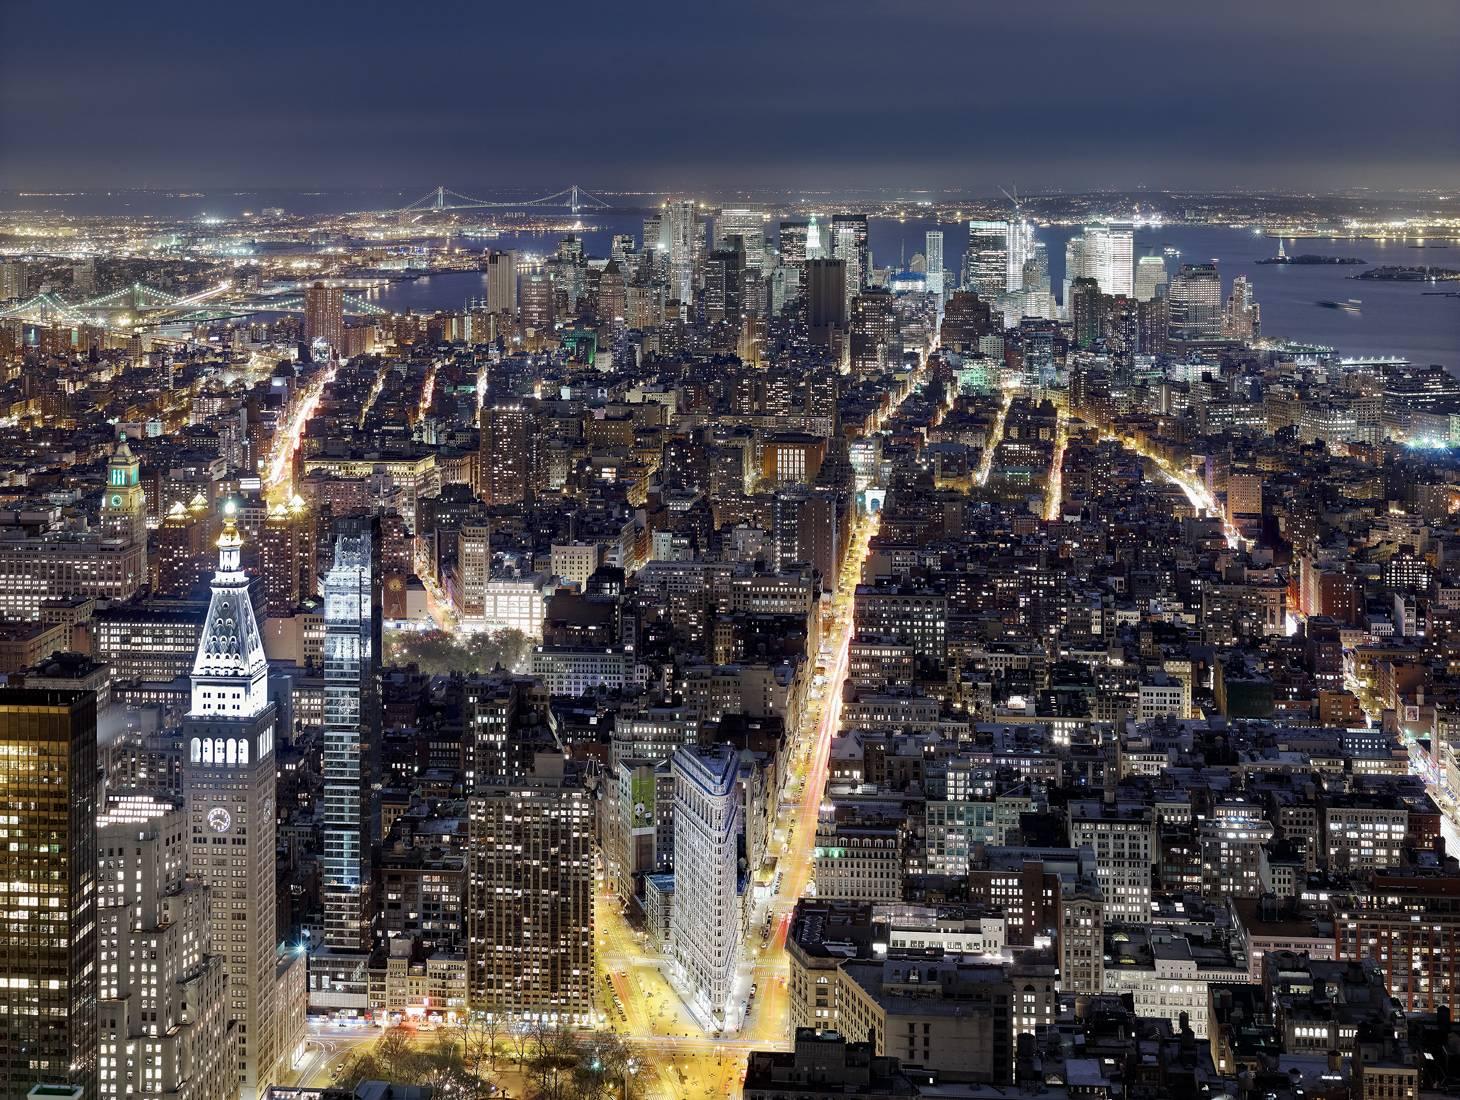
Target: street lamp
630,1067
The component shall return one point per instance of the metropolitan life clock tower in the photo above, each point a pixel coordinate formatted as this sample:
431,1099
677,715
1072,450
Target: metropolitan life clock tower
229,782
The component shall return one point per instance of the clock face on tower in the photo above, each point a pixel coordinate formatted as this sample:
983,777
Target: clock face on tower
116,500
220,819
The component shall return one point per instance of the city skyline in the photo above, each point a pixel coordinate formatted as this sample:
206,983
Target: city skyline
704,643
1130,95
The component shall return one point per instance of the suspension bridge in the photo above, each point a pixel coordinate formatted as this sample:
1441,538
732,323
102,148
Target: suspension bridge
138,303
141,298
573,199
46,309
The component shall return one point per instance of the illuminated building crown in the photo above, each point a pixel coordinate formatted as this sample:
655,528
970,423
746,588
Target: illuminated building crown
230,673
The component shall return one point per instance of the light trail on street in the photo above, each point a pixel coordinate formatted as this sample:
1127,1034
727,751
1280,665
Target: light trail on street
428,392
654,1016
373,395
279,480
683,1061
1201,499
996,434
1054,489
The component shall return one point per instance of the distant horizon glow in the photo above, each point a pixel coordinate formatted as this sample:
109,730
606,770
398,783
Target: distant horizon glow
1203,97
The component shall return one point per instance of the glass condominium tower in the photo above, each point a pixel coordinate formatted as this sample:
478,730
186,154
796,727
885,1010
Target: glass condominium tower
48,964
352,642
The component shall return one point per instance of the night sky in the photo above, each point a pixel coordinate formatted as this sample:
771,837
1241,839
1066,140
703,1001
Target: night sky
1047,94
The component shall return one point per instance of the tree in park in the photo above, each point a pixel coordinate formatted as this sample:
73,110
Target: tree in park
438,653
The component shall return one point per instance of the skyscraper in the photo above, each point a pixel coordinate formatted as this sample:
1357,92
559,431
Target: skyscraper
1019,242
678,229
473,567
539,306
1074,268
529,914
1037,339
502,282
324,315
1151,324
621,250
793,241
1243,317
849,244
1119,272
873,330
787,278
48,963
352,643
826,299
966,321
507,447
808,525
725,281
286,556
1087,311
1150,278
815,240
933,256
749,226
704,925
228,780
41,562
1194,305
163,1028
612,293
654,231
180,563
13,282
985,263
1035,288
1103,253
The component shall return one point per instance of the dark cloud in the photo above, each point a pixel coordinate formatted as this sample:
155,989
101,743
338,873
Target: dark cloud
1053,93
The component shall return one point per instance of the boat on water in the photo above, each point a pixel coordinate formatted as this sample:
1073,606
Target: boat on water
1350,305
